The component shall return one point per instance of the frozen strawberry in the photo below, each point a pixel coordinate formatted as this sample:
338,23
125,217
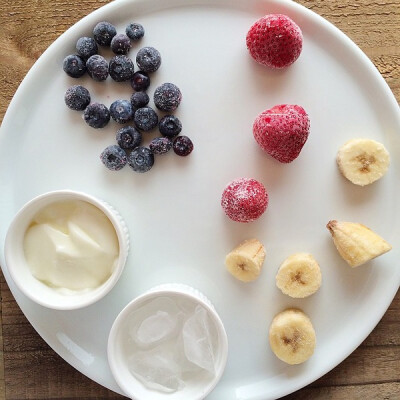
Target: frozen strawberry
282,131
244,200
275,41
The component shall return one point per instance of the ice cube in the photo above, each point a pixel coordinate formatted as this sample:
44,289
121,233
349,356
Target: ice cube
156,327
198,337
156,369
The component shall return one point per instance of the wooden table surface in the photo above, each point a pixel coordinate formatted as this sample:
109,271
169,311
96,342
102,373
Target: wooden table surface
29,369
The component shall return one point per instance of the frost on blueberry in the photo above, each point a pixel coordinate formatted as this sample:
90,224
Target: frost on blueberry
128,137
120,44
170,126
103,33
121,111
145,118
77,98
113,157
167,97
182,146
134,31
139,99
121,68
97,67
74,66
86,47
148,59
96,115
141,159
160,145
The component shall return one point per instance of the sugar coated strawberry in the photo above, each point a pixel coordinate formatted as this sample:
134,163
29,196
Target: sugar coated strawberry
275,41
282,131
244,200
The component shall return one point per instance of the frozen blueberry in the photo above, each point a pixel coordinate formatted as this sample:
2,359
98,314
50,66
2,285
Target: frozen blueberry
140,81
141,159
103,33
96,115
77,98
86,47
170,126
120,44
135,31
97,67
113,157
182,146
128,137
167,97
121,111
74,66
145,118
148,59
160,145
139,99
121,68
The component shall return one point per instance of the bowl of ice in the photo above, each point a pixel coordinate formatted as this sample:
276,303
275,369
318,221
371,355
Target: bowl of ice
168,343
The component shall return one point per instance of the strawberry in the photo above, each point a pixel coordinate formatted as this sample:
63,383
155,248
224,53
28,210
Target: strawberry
275,41
282,131
244,200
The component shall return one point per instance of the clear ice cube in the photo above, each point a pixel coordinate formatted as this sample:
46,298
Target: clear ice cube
198,337
156,369
156,327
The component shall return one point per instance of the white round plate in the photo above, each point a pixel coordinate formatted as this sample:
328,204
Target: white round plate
179,232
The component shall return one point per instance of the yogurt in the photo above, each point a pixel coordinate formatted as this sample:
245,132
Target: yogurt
71,245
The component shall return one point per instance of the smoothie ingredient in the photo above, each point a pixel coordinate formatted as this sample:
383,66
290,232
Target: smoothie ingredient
77,98
167,97
96,115
148,59
128,137
141,159
145,118
97,68
160,145
170,126
139,99
182,146
121,68
134,31
74,66
103,33
113,157
86,47
120,44
140,81
121,111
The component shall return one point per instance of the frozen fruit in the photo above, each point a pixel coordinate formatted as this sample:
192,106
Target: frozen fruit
139,99
103,33
96,115
167,97
244,200
77,98
148,59
134,31
120,44
128,137
141,159
160,145
97,67
121,111
275,41
145,118
121,68
282,131
140,81
74,66
113,157
182,146
86,47
170,126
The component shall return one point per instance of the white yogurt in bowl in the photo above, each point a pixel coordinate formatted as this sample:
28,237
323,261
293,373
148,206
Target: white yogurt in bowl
66,249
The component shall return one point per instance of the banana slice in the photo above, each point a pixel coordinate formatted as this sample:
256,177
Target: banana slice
292,336
363,161
299,276
245,261
356,243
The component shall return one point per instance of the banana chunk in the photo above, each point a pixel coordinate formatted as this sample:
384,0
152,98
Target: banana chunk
292,337
299,276
245,261
363,161
356,243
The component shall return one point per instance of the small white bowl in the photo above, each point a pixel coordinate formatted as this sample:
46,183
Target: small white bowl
38,291
119,335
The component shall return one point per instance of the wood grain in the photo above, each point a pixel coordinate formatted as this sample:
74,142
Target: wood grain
29,368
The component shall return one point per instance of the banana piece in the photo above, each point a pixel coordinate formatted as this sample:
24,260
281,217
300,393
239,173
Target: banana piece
356,243
292,336
245,261
363,161
299,276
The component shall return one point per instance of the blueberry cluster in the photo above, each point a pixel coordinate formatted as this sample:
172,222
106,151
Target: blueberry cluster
136,110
